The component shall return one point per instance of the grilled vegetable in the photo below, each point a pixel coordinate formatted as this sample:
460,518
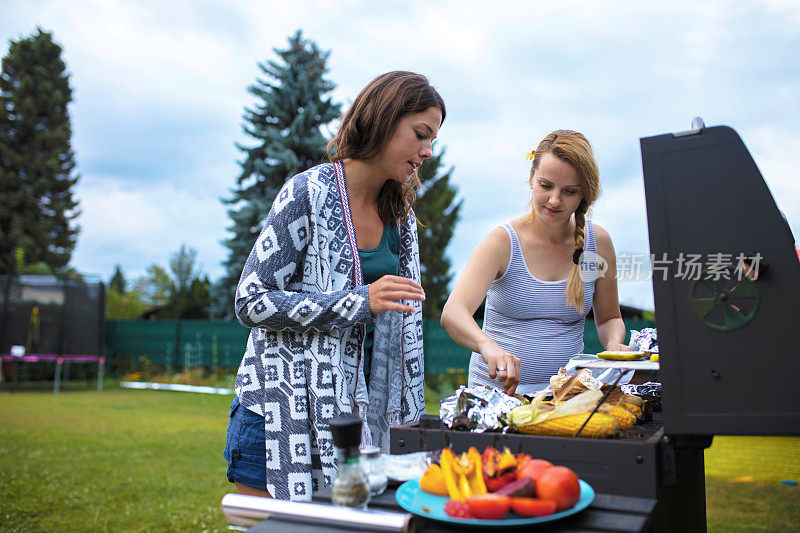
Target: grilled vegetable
463,475
475,476
633,409
489,506
447,460
496,463
561,485
632,399
533,468
493,484
457,509
620,356
432,481
524,487
623,417
533,507
599,425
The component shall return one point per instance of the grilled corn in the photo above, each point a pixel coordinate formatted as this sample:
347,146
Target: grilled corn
624,418
634,409
632,399
599,425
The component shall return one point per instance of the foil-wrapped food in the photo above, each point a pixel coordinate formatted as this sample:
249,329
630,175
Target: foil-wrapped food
647,391
645,340
477,409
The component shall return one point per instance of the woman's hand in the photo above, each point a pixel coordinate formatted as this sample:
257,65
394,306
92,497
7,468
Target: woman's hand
384,293
617,347
503,367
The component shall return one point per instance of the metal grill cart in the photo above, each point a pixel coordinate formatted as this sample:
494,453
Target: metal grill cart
728,345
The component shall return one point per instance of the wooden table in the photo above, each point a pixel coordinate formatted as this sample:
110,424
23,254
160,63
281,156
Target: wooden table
606,513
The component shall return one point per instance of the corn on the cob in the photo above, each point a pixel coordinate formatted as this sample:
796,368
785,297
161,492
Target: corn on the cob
600,425
635,410
520,416
631,398
624,418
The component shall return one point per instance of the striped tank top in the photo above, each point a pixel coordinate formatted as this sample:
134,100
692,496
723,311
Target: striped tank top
530,319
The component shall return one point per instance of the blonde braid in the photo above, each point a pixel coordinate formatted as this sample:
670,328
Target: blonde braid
574,282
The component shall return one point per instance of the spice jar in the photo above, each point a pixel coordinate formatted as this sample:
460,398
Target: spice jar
351,488
372,464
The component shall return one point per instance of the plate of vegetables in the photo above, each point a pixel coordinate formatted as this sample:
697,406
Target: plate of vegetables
494,488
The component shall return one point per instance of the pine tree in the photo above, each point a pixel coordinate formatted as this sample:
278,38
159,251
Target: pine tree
37,208
286,127
438,215
118,282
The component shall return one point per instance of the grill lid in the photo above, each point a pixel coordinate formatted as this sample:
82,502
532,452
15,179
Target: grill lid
726,282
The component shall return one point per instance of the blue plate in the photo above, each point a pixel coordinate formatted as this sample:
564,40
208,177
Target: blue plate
415,500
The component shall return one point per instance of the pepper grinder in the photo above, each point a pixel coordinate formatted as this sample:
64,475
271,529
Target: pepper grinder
351,488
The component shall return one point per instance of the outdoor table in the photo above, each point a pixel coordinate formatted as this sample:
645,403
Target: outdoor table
606,513
59,360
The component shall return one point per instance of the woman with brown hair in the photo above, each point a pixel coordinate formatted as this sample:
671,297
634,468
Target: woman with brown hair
540,274
332,296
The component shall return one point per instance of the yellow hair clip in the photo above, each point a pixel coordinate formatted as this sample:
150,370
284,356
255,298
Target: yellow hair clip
529,156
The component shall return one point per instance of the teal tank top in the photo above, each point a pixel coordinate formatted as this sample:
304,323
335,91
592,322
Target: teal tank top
376,263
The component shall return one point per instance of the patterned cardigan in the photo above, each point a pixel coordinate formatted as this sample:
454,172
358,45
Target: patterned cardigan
302,294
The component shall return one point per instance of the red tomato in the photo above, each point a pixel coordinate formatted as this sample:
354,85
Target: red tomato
494,484
457,509
534,468
489,506
559,484
533,507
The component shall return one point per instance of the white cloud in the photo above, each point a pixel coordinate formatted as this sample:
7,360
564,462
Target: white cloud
777,154
145,225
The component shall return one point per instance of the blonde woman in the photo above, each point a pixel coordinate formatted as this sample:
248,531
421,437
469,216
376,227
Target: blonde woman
540,274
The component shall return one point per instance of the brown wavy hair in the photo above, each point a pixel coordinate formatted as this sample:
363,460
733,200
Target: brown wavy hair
371,121
574,149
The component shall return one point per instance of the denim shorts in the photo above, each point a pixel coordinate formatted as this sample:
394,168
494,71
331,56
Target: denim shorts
245,447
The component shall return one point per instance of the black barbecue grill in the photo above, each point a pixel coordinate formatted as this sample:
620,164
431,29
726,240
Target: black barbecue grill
727,336
728,342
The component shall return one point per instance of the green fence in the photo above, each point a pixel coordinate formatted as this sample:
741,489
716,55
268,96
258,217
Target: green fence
199,343
177,343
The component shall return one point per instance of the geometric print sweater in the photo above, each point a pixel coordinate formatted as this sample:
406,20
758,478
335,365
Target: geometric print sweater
302,294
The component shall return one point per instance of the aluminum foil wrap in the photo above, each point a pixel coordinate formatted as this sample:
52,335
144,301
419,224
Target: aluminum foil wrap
645,340
476,408
646,391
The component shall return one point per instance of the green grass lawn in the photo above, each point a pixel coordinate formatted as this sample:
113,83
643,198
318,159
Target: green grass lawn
142,460
120,460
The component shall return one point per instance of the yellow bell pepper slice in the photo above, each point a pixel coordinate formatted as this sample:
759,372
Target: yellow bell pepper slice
432,481
476,483
447,462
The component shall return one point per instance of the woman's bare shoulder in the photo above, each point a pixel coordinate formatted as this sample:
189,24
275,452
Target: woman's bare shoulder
497,240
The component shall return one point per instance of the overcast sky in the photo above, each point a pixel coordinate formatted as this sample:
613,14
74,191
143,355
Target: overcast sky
160,88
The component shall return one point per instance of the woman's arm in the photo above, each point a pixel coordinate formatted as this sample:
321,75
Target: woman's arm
607,316
487,262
